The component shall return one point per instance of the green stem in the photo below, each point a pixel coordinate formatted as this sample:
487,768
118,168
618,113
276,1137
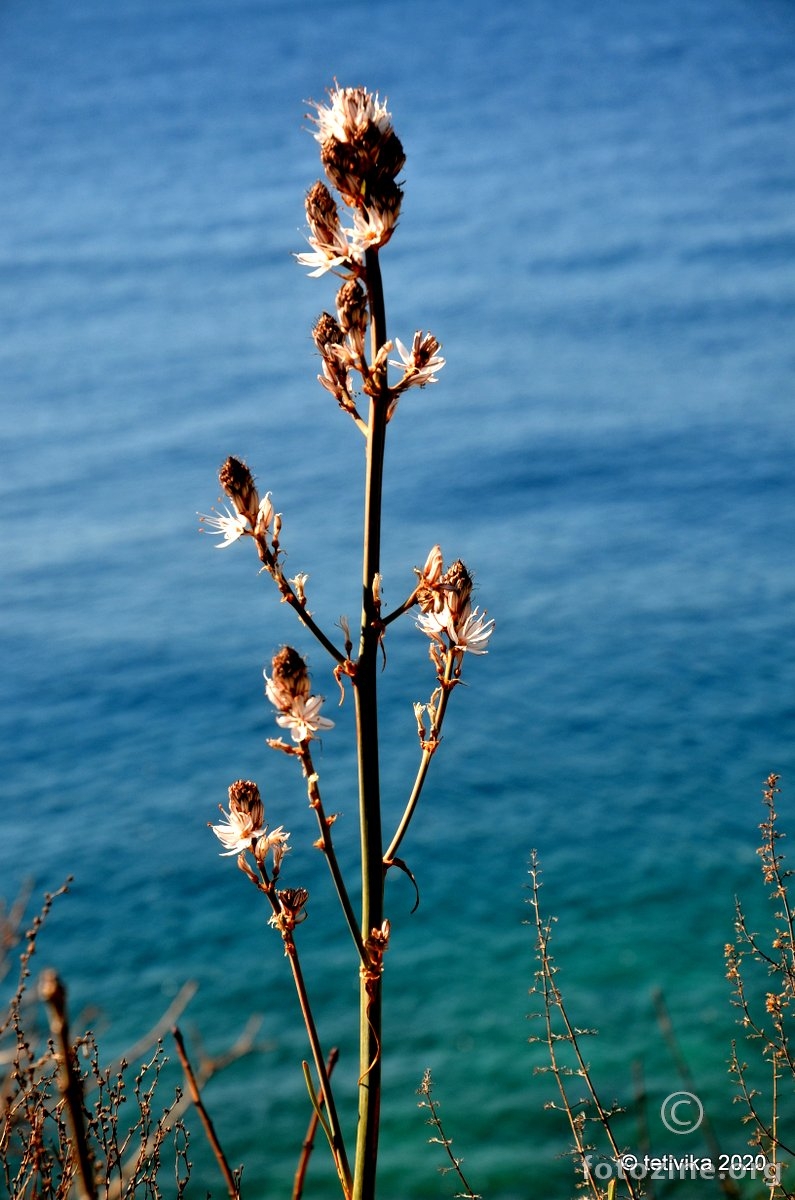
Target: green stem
425,761
366,696
309,1140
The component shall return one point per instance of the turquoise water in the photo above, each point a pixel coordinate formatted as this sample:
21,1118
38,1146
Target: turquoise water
599,226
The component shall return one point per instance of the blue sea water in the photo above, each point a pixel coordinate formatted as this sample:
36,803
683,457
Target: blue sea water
599,225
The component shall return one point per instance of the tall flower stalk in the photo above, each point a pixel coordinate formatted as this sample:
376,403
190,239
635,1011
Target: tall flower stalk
362,157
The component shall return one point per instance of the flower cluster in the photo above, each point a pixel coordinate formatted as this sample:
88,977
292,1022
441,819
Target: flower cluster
342,350
288,689
362,157
249,515
447,615
244,829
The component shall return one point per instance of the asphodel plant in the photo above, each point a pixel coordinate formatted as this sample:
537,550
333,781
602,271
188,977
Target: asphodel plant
362,158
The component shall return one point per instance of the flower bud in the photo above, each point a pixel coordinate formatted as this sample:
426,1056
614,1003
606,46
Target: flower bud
244,798
238,483
391,157
428,594
299,584
289,679
264,516
293,900
457,585
326,332
277,844
352,310
321,213
432,571
341,165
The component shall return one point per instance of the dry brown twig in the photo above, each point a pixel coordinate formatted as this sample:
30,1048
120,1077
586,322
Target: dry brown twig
231,1180
60,1126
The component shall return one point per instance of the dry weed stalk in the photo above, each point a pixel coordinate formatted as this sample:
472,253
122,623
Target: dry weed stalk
63,1128
584,1112
441,1139
750,962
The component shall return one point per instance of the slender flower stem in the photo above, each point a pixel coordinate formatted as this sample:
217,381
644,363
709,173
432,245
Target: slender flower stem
327,846
337,1146
365,691
425,761
268,886
289,597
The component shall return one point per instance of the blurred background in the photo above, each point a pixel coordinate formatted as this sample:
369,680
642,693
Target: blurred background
599,226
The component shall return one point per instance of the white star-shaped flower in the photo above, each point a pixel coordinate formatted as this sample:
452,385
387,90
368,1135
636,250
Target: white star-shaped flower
420,363
237,833
473,633
434,625
325,257
303,718
230,525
